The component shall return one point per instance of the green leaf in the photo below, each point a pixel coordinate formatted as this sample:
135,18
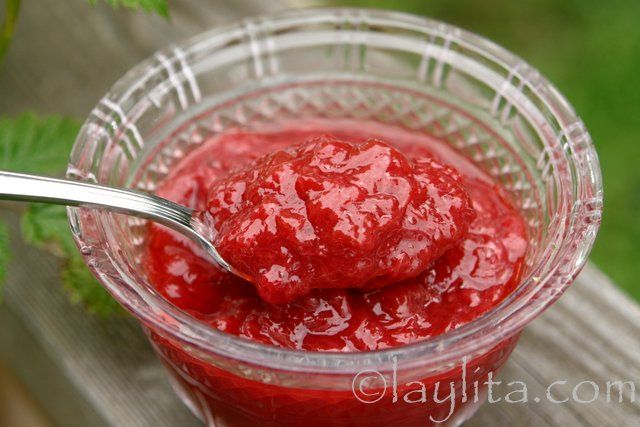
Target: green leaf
29,143
85,289
47,227
161,7
32,144
5,254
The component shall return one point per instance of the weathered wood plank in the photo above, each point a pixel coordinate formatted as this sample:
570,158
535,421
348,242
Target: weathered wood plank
88,371
591,334
82,369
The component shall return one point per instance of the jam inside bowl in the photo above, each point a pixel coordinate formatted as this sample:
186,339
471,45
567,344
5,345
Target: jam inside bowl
374,68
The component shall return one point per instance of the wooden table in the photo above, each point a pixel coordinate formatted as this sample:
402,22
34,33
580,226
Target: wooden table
86,371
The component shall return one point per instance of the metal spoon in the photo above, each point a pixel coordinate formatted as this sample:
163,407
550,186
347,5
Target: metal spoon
32,188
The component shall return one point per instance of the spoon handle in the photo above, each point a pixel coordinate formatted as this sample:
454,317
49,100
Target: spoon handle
32,188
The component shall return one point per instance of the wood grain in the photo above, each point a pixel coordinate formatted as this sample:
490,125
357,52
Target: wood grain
89,371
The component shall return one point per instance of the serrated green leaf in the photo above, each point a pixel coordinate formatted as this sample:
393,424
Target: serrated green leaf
5,254
29,143
47,227
161,7
32,144
85,289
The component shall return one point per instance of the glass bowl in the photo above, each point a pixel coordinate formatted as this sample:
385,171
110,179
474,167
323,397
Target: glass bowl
391,68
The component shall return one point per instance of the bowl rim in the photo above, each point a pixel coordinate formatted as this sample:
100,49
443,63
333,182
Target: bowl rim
483,333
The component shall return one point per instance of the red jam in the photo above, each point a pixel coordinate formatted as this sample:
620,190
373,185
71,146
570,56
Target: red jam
443,264
331,213
466,262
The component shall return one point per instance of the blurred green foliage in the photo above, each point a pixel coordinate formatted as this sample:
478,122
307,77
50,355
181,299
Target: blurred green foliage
591,51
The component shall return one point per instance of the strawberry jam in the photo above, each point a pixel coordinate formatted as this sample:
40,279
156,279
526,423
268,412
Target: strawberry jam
448,247
382,238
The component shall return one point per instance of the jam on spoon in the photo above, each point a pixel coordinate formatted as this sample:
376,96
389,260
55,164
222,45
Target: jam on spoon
331,213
